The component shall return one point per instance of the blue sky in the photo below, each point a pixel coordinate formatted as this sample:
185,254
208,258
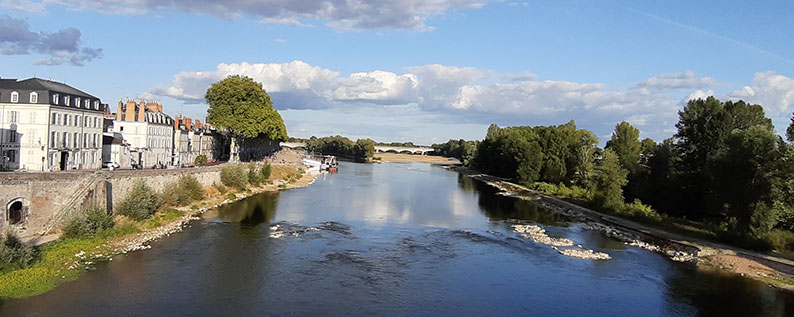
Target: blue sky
417,71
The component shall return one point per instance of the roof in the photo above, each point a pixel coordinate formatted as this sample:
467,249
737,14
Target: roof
42,84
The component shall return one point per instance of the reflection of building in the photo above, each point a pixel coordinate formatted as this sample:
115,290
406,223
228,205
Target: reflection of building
46,125
148,131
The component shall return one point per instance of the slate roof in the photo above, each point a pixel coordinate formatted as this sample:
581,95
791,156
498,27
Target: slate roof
34,84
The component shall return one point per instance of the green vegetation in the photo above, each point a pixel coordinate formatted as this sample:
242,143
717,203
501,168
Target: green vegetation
461,149
87,223
200,160
13,254
182,192
725,168
264,173
239,105
234,176
362,150
140,203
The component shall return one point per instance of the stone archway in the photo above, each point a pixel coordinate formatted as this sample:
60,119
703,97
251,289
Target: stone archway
15,214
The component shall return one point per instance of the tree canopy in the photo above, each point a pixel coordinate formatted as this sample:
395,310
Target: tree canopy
239,105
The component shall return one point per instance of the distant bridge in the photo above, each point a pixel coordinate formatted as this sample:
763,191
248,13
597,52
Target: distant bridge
423,150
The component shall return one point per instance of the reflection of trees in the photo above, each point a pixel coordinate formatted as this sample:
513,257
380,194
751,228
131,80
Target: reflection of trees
721,294
498,207
260,208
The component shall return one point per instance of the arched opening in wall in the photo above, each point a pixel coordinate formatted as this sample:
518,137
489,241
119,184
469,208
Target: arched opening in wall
15,213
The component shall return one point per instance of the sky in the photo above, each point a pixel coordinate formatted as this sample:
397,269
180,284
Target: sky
413,70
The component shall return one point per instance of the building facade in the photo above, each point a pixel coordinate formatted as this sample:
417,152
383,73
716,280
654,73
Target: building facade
48,126
147,130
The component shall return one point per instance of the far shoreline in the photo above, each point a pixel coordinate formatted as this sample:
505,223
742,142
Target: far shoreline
397,157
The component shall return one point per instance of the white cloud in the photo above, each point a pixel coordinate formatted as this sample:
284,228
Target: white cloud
773,91
466,95
339,14
685,80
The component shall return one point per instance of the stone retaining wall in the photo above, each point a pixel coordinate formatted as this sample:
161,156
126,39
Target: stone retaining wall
44,196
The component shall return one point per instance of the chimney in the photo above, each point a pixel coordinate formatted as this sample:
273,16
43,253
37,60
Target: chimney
176,124
141,112
119,113
129,114
154,107
198,124
188,123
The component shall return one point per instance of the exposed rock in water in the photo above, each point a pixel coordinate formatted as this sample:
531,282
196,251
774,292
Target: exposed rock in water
584,254
538,234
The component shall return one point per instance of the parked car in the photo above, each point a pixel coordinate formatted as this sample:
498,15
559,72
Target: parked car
111,165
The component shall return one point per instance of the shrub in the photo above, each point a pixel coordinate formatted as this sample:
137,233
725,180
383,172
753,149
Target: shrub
231,196
88,223
780,240
186,190
200,160
638,209
234,176
141,202
254,177
220,187
264,173
13,254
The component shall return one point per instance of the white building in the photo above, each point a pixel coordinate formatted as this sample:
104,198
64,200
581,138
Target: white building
46,125
147,130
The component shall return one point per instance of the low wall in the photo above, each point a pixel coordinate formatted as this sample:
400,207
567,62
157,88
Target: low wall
47,199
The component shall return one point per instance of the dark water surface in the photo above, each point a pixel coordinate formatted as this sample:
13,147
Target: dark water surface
393,239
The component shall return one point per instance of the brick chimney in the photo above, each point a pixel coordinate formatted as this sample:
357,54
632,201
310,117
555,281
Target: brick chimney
141,112
119,113
129,114
154,107
198,124
176,124
188,123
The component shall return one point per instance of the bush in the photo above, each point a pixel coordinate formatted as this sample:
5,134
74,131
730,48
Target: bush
638,209
780,240
200,160
264,173
88,223
254,177
231,196
234,176
13,254
141,202
186,190
221,188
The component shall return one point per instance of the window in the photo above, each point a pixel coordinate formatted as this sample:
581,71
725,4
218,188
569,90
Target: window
34,97
12,156
77,102
53,139
55,99
12,137
14,97
77,121
96,122
65,139
32,117
86,103
85,139
66,100
66,119
96,105
14,117
54,119
76,139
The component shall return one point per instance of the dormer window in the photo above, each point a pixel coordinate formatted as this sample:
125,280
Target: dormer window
77,102
67,100
14,97
55,99
86,103
34,97
96,105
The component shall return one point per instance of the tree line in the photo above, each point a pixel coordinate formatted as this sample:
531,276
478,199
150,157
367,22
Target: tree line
725,164
362,150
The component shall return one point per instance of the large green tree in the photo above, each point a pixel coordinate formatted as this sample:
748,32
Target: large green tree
238,104
790,130
626,144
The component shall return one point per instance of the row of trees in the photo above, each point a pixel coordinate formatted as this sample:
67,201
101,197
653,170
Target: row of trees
461,149
361,150
725,164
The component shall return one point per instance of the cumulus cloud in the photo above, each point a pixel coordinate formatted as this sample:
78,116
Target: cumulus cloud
62,47
685,80
773,91
339,14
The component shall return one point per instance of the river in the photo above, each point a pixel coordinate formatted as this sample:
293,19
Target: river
394,239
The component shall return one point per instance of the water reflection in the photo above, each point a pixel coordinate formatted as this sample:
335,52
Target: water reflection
498,207
721,294
251,211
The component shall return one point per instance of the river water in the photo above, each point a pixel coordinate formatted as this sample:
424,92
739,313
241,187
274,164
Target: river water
394,239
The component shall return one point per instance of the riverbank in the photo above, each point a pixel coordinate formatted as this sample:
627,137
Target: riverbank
706,255
395,157
65,260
